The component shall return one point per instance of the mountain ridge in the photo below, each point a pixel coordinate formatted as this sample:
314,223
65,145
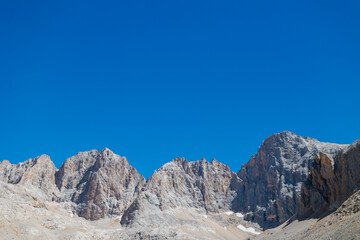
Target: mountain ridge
265,192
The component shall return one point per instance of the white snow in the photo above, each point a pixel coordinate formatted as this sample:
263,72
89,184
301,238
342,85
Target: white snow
229,213
240,215
205,216
249,229
225,227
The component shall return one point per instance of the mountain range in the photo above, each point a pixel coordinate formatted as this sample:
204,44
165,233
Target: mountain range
99,195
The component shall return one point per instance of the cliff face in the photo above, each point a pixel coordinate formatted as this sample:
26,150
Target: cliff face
101,183
266,190
272,179
329,185
38,172
202,185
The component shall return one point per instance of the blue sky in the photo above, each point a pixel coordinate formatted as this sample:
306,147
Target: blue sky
152,80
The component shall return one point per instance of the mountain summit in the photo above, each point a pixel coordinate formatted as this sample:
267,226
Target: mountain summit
289,177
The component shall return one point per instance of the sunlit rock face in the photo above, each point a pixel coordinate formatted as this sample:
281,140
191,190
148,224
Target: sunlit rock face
100,183
206,186
267,190
330,183
38,172
272,179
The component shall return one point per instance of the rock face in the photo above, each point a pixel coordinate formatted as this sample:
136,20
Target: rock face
101,183
202,185
329,185
38,172
341,224
267,189
272,179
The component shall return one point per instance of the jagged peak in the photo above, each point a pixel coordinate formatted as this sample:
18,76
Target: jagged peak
282,135
88,158
179,159
214,161
356,143
290,137
42,159
286,132
32,161
82,153
106,150
7,162
42,156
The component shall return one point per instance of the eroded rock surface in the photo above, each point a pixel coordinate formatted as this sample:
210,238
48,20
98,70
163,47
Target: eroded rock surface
327,186
206,186
101,183
272,179
192,197
38,172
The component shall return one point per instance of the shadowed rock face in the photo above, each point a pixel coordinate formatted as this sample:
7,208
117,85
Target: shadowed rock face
207,186
100,183
273,177
327,186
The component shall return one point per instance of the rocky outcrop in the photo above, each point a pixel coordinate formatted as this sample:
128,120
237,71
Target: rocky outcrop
202,185
101,183
272,179
96,184
341,224
330,184
38,172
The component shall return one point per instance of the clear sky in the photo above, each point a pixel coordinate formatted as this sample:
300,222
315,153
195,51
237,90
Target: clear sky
152,80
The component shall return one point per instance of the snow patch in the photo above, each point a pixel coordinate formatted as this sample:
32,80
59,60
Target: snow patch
205,216
229,213
249,229
240,215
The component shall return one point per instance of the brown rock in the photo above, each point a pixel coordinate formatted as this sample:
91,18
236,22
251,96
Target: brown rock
101,183
328,187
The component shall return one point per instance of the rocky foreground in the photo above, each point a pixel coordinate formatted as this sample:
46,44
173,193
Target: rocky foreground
99,195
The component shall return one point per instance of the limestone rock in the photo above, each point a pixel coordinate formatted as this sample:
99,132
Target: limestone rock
206,186
188,196
101,183
38,172
272,179
328,187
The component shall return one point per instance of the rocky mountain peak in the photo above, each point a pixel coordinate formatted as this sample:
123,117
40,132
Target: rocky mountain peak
96,184
100,183
180,161
273,177
37,172
106,152
279,139
200,185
